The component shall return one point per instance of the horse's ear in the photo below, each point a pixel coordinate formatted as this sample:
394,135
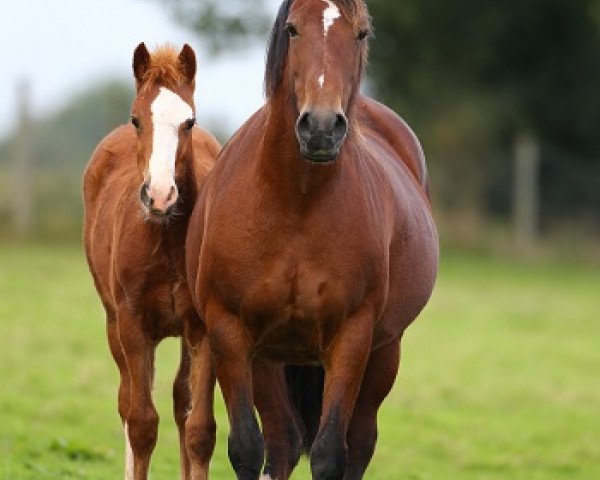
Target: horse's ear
141,62
187,60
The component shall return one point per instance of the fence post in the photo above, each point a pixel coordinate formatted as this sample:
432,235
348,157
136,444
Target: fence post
526,199
22,188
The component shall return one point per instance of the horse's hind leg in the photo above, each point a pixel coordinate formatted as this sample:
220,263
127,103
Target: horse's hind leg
281,427
141,425
377,383
181,405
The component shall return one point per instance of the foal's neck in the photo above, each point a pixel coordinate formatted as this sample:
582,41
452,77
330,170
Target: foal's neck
281,165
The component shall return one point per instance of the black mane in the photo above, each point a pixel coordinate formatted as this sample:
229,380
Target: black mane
277,51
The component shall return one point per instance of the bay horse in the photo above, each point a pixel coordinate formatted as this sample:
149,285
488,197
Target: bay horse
312,243
139,189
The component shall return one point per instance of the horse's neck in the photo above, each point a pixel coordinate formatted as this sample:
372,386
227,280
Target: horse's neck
281,166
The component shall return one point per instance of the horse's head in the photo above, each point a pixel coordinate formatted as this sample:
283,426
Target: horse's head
163,115
317,53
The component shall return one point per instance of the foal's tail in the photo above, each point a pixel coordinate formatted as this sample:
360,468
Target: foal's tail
305,387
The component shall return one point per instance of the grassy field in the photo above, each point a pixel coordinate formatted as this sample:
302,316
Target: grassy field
499,377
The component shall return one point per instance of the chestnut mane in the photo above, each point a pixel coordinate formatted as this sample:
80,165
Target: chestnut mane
165,68
354,10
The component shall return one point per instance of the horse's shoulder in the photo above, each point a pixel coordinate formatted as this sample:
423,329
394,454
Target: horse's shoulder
113,151
390,128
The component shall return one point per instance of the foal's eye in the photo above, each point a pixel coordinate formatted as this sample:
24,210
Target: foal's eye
362,34
135,122
292,31
189,124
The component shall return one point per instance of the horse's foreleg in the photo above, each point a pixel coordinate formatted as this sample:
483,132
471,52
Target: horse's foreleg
200,426
281,427
141,425
181,406
230,346
377,382
345,362
116,350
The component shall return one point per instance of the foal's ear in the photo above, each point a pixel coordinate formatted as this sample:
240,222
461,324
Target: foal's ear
187,60
141,62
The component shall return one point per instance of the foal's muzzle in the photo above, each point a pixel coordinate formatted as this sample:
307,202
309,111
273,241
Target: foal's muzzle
321,135
158,202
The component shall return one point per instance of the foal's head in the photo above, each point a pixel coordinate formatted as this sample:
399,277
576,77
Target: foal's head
317,53
163,115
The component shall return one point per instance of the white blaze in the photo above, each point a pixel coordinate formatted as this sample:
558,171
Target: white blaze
129,470
330,14
169,111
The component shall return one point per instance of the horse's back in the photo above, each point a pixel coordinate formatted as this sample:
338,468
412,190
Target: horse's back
384,123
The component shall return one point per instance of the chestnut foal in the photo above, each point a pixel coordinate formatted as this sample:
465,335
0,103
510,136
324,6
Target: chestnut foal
139,189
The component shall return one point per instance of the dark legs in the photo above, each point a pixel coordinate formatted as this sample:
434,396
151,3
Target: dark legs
281,429
377,383
344,368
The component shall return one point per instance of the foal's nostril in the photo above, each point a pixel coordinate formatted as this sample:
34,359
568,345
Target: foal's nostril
171,194
144,196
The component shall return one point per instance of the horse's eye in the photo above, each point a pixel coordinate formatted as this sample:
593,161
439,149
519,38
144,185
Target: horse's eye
135,122
189,124
292,31
362,34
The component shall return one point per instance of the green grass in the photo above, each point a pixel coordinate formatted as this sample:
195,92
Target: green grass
499,377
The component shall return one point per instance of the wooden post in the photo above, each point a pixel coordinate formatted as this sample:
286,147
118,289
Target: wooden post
22,188
526,200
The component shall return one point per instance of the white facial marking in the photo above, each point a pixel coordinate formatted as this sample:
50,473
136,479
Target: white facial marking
129,467
265,477
169,111
330,14
322,80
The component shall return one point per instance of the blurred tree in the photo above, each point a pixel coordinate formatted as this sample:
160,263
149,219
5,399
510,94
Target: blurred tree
471,76
59,147
223,24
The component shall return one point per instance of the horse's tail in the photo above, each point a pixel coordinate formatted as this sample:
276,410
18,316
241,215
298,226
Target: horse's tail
305,386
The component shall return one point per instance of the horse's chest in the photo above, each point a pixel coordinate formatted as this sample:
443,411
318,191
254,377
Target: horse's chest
292,309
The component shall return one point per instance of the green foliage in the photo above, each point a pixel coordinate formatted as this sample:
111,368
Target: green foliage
498,377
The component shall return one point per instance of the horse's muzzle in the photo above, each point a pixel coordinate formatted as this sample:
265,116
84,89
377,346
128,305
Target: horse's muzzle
321,135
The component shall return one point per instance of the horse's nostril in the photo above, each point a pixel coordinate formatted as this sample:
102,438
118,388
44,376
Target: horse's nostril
340,128
171,194
303,126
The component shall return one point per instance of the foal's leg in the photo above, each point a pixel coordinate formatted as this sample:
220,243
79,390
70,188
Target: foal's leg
230,345
116,350
281,430
181,405
344,364
141,426
112,332
200,426
377,383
